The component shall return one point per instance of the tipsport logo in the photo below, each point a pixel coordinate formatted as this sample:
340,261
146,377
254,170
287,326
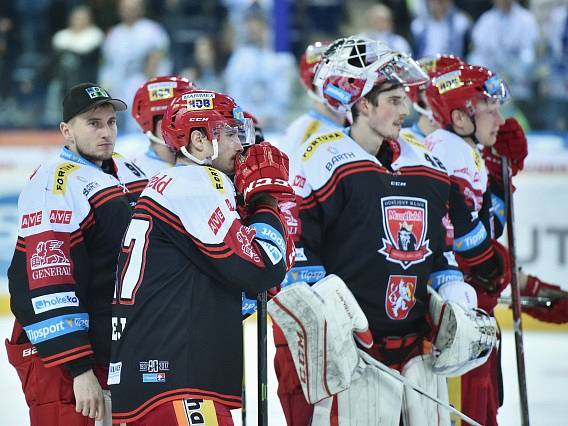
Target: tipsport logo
57,326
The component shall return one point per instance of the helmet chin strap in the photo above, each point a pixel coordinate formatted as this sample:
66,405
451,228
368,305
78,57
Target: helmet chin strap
154,138
423,111
472,134
206,161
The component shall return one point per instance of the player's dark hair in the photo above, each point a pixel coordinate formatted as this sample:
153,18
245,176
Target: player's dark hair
373,96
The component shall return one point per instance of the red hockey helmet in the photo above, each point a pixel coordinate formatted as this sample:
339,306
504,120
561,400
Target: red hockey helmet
208,111
431,65
352,66
154,96
462,87
309,60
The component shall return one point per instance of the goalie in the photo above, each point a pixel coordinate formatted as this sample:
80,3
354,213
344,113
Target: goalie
371,211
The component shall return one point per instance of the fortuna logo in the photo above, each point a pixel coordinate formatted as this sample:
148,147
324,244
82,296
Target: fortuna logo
400,298
405,223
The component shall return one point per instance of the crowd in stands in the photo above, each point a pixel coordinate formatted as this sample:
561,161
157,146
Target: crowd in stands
47,46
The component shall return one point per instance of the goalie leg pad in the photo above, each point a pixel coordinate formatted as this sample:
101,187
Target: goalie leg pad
417,409
373,399
323,349
465,337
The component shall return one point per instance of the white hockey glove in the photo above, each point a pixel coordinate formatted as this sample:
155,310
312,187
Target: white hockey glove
459,292
464,337
318,323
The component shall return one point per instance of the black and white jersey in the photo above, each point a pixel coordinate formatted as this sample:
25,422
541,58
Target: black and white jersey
376,223
471,202
185,260
72,215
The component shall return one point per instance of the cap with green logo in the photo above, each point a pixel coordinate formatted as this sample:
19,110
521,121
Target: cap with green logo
85,96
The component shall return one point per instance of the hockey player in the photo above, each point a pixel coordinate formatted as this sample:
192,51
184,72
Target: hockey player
417,94
371,212
465,101
72,215
148,108
186,257
320,118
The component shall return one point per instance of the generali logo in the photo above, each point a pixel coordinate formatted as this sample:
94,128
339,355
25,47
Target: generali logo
48,259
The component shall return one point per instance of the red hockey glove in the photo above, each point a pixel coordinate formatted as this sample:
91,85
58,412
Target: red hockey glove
263,169
488,291
512,143
558,312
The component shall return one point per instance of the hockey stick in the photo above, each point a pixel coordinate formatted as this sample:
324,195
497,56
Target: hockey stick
515,291
397,376
530,302
262,359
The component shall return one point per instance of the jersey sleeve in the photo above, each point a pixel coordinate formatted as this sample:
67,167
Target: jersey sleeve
445,268
472,240
251,256
48,276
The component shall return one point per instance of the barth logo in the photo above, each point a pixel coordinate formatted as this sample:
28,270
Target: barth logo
405,223
400,298
60,178
60,216
32,219
339,158
319,140
89,188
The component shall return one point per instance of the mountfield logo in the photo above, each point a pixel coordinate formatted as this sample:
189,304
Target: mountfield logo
57,326
49,302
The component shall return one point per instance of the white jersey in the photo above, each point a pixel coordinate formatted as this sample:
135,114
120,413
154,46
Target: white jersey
150,163
464,164
303,128
412,134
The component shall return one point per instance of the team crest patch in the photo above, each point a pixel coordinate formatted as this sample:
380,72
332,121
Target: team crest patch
405,222
400,298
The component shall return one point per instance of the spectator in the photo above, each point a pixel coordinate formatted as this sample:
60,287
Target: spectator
504,40
77,51
259,78
6,48
134,51
555,85
442,29
380,28
206,72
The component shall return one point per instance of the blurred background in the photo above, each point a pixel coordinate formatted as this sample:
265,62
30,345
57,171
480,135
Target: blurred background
249,50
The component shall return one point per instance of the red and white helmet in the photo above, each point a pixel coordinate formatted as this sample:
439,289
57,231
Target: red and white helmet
207,111
432,65
352,66
309,60
462,86
152,99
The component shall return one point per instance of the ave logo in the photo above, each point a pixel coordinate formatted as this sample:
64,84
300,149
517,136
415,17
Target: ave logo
405,225
60,216
32,219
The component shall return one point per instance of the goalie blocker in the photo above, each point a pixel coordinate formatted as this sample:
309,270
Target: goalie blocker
321,325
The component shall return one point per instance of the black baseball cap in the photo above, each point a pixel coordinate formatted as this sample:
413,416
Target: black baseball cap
85,96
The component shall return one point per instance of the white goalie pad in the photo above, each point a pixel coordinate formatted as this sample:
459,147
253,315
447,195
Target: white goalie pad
465,337
319,333
418,410
373,398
